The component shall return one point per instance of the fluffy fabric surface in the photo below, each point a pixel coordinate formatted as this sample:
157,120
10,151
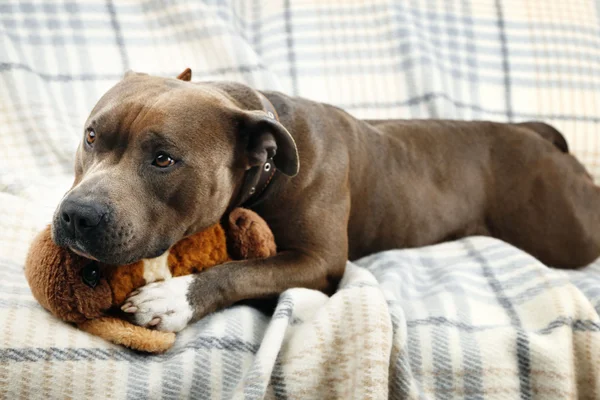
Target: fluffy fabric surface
469,319
465,319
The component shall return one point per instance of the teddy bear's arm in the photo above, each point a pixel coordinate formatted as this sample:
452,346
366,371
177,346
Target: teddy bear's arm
190,255
249,236
124,279
198,252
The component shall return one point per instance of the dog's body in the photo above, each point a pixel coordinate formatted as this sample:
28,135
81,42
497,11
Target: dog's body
361,187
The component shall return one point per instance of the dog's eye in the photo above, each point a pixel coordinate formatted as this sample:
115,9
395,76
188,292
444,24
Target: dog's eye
90,136
90,274
163,160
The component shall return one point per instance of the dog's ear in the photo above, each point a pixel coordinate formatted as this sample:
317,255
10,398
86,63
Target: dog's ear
264,138
186,75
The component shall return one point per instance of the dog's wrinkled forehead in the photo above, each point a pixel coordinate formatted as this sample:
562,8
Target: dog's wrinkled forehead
141,102
146,89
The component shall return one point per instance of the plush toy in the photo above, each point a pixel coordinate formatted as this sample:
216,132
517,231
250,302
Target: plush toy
88,293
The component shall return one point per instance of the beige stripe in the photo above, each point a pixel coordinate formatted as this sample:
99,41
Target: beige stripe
4,367
47,378
69,369
591,379
27,373
352,346
91,376
109,382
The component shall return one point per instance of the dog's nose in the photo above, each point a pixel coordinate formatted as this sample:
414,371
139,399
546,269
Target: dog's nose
80,217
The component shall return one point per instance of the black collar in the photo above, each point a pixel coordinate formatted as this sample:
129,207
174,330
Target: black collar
258,178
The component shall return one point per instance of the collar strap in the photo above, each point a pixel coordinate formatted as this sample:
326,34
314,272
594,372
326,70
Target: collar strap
258,178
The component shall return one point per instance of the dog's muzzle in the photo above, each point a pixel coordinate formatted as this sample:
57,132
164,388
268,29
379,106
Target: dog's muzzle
79,224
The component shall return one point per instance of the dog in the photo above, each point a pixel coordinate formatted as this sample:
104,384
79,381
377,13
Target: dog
163,158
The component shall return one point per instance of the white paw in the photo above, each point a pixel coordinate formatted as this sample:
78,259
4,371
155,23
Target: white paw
161,305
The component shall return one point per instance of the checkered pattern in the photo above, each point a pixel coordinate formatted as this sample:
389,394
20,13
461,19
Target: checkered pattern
474,318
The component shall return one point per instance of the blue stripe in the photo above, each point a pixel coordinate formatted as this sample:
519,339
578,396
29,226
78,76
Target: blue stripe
137,380
121,354
278,380
505,60
172,380
290,43
413,343
257,32
118,36
578,325
401,376
202,375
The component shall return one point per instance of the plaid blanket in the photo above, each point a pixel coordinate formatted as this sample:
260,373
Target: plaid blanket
474,318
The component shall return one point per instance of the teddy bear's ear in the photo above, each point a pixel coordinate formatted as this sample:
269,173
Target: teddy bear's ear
186,75
249,235
135,337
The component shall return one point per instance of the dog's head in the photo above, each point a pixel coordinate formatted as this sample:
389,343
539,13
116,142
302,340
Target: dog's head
161,159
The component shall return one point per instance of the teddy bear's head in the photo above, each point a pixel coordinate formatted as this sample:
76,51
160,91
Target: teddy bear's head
67,285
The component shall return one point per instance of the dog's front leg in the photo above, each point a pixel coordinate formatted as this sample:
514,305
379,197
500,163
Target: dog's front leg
172,304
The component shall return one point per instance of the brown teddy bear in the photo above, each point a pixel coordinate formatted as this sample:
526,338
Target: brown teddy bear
88,293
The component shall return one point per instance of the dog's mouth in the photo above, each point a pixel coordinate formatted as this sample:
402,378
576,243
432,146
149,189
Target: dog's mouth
77,250
100,248
115,258
105,257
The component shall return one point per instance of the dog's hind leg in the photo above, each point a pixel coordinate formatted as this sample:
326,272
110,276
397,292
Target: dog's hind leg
548,132
557,215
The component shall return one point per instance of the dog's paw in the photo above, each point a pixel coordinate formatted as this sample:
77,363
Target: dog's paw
161,305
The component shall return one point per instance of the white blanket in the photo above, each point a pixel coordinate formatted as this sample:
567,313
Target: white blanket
474,318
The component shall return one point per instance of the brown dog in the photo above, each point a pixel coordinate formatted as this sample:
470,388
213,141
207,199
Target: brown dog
164,158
